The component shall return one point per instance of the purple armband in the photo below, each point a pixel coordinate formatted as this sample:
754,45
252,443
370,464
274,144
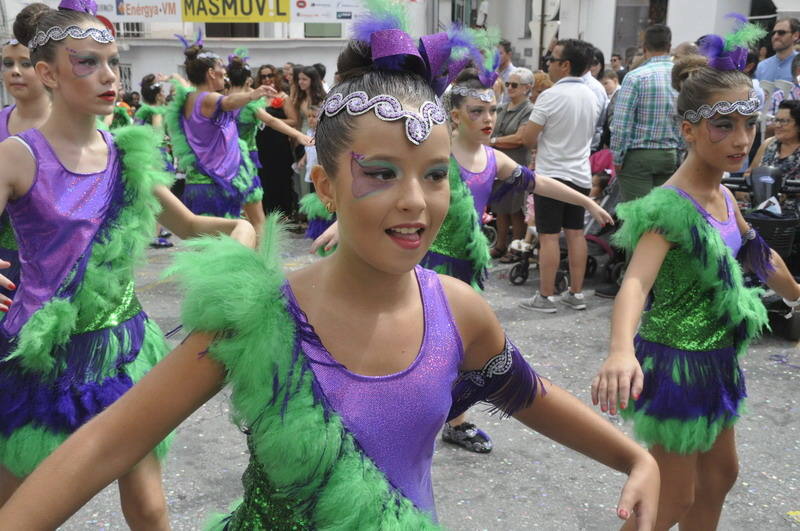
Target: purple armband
520,180
507,382
756,255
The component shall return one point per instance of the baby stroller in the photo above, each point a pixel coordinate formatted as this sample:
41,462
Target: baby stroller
778,230
598,240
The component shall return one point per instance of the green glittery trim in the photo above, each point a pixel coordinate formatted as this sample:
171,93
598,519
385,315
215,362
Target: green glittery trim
664,211
248,122
314,466
185,157
27,446
460,235
110,267
7,238
677,436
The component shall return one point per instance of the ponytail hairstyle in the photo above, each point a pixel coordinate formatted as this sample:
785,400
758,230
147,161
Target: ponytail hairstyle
198,62
36,19
150,89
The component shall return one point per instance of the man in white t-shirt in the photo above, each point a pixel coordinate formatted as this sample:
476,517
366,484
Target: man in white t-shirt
565,116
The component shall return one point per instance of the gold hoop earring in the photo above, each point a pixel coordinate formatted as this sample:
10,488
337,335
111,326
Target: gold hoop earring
330,207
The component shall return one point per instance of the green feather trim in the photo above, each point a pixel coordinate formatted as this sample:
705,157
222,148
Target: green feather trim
121,118
146,112
745,36
248,122
100,124
664,211
312,207
241,52
677,436
313,463
29,445
397,9
113,258
460,235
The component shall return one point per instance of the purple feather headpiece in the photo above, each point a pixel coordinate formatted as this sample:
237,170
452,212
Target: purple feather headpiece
730,52
187,44
86,6
431,57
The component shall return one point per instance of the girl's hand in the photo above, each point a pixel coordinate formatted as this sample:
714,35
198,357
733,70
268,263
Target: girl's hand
619,378
328,239
599,214
263,91
245,234
5,302
640,494
304,140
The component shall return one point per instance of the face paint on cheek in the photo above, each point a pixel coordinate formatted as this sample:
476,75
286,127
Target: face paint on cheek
717,132
369,176
82,64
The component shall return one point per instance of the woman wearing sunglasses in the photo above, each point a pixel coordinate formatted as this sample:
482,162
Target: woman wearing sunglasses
510,118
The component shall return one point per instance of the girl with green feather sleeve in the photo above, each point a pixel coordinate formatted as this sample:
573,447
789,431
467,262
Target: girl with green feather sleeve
341,373
679,378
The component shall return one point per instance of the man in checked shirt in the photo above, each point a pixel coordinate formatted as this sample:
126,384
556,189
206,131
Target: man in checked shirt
644,135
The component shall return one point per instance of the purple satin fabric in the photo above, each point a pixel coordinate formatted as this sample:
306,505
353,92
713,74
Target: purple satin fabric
728,229
480,184
55,223
396,418
215,143
5,116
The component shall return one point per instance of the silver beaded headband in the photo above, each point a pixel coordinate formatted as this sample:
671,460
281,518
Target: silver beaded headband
483,95
208,55
11,42
746,107
57,33
389,109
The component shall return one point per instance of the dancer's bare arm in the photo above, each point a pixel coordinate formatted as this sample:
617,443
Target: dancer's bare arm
232,101
183,222
110,444
559,415
282,127
621,377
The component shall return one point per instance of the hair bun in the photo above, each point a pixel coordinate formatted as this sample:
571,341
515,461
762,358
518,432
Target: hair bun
191,52
148,80
685,67
355,60
27,20
468,76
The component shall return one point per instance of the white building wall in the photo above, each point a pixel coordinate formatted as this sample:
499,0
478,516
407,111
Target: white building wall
690,19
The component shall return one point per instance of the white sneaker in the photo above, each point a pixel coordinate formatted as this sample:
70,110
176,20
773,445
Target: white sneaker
573,300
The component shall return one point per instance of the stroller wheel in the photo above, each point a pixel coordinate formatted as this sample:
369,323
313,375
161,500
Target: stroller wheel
519,273
616,272
491,234
591,266
562,281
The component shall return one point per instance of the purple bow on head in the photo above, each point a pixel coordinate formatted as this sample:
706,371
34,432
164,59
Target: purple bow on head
86,6
186,43
394,49
713,47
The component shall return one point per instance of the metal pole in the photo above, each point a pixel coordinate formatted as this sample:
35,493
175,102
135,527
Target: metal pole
541,34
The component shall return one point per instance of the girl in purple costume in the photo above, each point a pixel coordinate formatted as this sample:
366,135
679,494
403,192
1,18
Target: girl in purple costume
83,205
31,109
341,411
202,125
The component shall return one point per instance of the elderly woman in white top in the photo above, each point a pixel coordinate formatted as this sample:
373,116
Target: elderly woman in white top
511,118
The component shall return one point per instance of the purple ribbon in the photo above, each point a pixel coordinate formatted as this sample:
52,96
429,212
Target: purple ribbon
394,49
86,6
713,47
185,42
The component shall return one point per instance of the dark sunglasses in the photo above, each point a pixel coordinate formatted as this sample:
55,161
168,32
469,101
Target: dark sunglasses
513,84
778,32
267,76
555,60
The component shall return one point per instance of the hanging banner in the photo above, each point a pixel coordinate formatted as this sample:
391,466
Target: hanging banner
122,11
235,10
326,10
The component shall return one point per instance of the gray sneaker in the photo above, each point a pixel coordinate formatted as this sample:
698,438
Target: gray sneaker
576,301
540,303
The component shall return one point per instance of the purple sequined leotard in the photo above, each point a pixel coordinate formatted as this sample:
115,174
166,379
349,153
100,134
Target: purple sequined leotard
76,337
395,418
480,183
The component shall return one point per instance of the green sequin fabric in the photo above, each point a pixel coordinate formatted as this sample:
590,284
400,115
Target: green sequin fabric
682,315
7,238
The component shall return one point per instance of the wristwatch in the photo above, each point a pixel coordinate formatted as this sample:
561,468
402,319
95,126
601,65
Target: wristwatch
493,141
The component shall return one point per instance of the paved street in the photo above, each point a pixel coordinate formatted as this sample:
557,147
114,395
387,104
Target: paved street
527,482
